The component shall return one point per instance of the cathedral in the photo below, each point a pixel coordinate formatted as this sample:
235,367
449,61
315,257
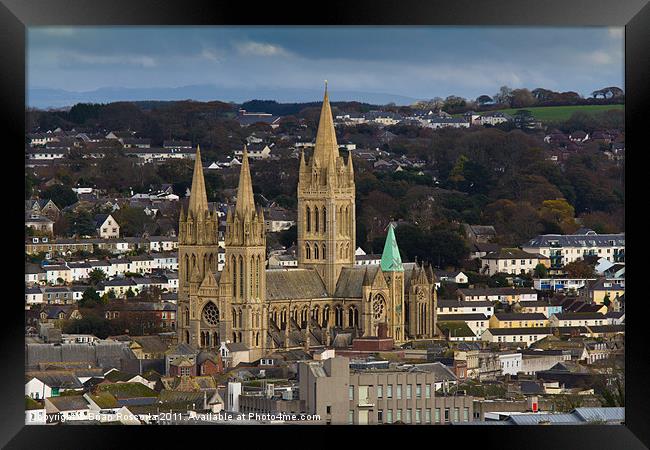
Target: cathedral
327,299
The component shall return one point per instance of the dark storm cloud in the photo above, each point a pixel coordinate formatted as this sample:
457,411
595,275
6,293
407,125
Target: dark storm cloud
418,62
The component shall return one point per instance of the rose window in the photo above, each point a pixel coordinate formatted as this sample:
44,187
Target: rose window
211,314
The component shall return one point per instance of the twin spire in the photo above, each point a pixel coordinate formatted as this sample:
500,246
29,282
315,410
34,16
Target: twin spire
245,199
198,196
326,153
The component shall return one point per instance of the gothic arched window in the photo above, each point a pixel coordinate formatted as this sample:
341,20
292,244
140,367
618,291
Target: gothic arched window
187,317
307,251
241,277
233,268
315,251
326,315
308,217
323,253
316,219
257,277
338,316
324,219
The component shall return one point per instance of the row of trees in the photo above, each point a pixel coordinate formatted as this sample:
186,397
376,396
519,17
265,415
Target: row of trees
508,97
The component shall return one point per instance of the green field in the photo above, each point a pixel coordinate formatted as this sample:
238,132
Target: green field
559,113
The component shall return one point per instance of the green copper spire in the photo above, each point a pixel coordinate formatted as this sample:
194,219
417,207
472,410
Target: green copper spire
391,261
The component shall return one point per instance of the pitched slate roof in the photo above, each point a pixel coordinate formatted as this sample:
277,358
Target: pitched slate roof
519,316
579,316
56,378
287,284
69,402
151,344
350,282
512,253
589,239
517,331
460,317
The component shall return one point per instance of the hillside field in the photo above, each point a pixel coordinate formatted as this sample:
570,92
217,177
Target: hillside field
561,113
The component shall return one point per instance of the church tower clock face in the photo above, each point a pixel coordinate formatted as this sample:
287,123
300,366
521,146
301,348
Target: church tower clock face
378,307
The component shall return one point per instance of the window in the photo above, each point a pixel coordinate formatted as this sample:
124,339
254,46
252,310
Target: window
380,416
380,391
408,415
427,391
437,416
399,415
408,391
456,414
389,416
351,417
466,414
418,391
389,391
328,409
399,392
427,416
446,414
351,392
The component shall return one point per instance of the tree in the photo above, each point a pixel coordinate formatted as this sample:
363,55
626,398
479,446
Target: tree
83,224
607,301
503,96
579,269
559,212
541,271
522,98
289,237
96,275
133,221
90,298
129,293
89,324
61,195
484,100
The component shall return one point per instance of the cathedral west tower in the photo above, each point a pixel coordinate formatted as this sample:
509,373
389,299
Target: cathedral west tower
326,216
245,265
197,251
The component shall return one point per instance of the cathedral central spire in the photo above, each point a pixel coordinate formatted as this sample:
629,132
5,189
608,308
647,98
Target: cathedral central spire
326,150
198,196
245,199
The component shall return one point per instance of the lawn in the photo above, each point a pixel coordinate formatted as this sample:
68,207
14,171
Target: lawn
561,113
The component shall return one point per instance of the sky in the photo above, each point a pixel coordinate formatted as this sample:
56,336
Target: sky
412,62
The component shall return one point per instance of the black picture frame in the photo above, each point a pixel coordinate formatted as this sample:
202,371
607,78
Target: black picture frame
16,15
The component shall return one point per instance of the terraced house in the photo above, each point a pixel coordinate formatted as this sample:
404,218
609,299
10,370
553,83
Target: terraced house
564,249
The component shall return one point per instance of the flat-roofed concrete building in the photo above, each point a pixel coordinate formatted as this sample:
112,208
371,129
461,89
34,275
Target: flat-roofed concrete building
378,396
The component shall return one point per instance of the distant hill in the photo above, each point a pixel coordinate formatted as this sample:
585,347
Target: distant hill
44,98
